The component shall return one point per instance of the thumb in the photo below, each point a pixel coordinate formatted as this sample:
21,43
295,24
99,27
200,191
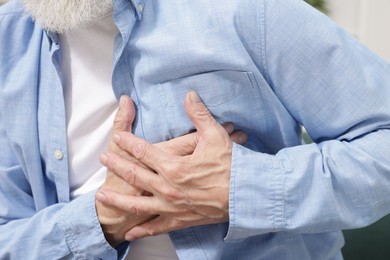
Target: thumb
124,116
198,112
182,145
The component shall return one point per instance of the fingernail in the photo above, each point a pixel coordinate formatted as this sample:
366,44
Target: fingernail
229,128
194,97
129,237
122,101
116,138
242,137
100,196
103,158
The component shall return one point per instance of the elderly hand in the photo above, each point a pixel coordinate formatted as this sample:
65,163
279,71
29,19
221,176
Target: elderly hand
115,221
188,190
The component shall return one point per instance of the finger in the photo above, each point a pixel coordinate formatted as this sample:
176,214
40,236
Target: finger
185,145
229,127
198,113
125,116
154,227
181,146
129,171
236,136
239,137
147,153
134,205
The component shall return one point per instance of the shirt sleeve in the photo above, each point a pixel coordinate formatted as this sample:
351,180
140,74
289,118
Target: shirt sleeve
340,92
33,224
61,231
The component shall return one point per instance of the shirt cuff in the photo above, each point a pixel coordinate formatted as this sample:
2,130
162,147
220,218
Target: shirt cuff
83,233
256,196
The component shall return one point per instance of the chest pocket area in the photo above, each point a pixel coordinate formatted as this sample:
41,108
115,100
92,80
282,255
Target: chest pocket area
231,96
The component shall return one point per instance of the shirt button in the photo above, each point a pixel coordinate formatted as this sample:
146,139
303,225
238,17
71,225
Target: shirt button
140,8
58,154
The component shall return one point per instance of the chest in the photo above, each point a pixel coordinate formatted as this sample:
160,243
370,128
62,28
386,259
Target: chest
160,64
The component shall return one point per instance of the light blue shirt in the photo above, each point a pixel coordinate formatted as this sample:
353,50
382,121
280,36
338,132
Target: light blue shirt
268,66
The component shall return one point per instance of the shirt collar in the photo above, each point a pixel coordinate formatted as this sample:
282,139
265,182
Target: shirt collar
137,5
53,39
119,5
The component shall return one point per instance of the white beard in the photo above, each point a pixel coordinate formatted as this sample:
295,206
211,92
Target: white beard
61,16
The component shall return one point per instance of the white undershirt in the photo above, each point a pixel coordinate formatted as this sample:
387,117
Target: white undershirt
87,55
89,100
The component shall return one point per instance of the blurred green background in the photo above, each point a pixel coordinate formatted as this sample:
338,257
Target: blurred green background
319,4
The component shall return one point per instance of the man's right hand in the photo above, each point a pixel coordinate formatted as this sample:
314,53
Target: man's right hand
115,222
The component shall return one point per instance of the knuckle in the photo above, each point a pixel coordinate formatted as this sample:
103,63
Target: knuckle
131,174
179,172
171,168
203,112
151,232
133,207
172,195
169,194
112,163
139,150
117,123
121,121
175,170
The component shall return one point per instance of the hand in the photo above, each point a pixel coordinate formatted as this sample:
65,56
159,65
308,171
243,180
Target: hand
187,190
114,221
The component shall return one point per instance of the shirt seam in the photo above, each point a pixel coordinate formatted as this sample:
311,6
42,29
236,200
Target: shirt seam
97,225
262,21
232,216
279,220
69,237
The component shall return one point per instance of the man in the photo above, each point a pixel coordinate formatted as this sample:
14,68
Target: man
266,66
